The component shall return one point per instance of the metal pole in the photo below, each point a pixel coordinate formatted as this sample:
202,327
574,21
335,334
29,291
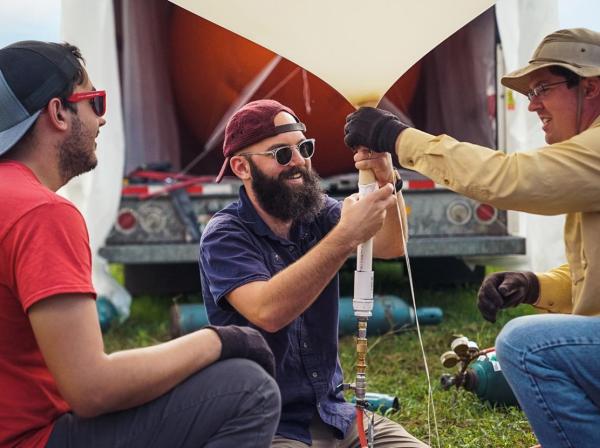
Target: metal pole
362,304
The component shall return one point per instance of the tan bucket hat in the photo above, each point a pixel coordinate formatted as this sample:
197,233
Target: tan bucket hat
576,49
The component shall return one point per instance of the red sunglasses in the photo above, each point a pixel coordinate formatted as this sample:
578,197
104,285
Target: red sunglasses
97,100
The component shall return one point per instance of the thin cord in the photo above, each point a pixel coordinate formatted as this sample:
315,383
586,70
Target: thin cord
430,402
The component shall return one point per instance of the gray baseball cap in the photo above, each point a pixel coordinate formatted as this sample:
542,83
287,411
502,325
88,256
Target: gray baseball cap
576,49
31,74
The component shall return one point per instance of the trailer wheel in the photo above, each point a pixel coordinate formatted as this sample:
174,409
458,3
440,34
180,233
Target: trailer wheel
162,279
445,271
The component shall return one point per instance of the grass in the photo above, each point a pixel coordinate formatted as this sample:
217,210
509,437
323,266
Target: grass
148,324
395,366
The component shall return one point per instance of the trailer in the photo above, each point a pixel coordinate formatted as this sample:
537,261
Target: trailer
169,194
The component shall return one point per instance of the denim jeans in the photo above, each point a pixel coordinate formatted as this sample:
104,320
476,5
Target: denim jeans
552,362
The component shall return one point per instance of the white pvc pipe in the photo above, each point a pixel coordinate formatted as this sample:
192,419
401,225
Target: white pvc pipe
363,276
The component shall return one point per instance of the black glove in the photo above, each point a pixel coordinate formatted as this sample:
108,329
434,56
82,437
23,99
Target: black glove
245,342
506,289
373,128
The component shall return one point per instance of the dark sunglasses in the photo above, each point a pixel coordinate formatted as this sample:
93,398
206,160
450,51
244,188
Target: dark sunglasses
97,100
283,154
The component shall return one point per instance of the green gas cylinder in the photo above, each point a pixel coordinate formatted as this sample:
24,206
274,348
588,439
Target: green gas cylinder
381,403
484,378
107,313
187,317
389,313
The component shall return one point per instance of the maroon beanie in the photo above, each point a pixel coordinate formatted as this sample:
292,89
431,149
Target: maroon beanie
251,124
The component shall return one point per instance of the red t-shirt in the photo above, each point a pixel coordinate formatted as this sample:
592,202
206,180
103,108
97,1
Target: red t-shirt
44,251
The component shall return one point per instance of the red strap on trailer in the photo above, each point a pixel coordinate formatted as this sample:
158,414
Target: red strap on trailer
169,187
152,175
420,184
170,182
164,175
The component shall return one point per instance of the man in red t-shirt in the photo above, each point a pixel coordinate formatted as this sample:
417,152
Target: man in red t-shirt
57,385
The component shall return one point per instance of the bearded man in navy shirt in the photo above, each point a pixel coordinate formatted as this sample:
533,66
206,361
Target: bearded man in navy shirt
271,261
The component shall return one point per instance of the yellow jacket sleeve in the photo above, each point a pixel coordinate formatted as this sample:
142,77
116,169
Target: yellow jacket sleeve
555,290
555,179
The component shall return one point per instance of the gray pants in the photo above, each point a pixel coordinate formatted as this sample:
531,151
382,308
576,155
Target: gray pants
233,403
388,434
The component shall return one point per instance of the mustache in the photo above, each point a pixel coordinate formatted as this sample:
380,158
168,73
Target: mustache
293,172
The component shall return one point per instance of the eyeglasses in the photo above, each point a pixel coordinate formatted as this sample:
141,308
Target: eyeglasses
283,155
538,92
97,100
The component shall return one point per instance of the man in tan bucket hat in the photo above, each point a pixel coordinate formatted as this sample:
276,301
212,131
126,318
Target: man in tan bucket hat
550,360
571,54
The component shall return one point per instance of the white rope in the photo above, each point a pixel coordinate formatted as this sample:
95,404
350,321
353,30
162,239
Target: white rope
430,402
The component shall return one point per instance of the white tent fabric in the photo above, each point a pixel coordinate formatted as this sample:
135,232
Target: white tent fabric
456,81
522,25
149,111
90,26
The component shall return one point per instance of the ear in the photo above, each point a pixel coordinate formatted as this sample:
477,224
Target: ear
591,87
240,167
57,114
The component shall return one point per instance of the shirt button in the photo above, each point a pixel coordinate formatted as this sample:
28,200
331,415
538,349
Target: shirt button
411,162
315,374
305,345
446,181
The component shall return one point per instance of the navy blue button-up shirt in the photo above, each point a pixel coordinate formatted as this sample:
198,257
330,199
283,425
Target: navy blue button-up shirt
236,248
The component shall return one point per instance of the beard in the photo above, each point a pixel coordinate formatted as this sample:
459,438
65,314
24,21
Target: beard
286,202
77,153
